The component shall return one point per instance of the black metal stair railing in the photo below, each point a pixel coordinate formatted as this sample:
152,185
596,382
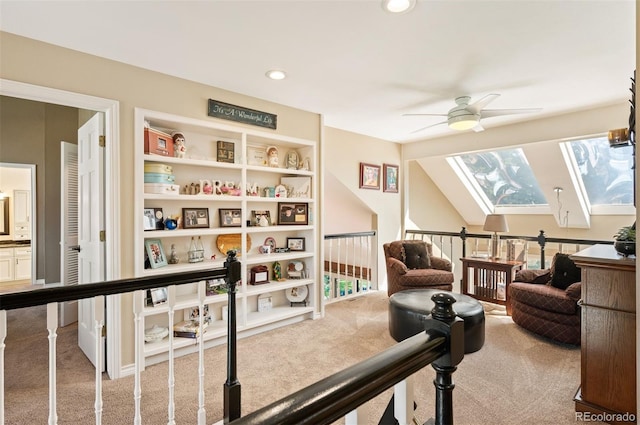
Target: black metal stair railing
541,239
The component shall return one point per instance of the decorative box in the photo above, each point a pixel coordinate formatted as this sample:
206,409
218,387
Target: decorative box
265,302
162,189
226,151
157,143
259,275
154,167
159,178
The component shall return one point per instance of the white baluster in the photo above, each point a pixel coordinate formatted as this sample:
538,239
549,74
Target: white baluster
98,312
52,326
403,401
138,305
202,413
171,299
3,335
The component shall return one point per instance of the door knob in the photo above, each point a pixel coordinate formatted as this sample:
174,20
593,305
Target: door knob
75,248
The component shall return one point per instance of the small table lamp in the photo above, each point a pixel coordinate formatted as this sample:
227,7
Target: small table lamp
495,223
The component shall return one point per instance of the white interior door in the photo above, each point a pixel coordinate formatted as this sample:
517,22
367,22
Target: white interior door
69,228
91,267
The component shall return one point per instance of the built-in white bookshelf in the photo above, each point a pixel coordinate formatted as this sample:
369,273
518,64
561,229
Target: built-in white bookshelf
253,184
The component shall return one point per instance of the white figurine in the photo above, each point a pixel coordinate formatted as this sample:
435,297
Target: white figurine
179,147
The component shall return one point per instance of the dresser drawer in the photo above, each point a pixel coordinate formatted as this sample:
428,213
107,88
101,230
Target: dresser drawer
6,252
22,252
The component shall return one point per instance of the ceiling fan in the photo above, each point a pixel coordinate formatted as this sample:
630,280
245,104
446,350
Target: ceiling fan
465,116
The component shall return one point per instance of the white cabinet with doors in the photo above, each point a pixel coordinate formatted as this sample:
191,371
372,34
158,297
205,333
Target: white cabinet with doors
15,263
6,264
220,189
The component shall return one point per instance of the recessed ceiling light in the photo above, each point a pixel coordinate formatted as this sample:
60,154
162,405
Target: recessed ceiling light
398,6
276,74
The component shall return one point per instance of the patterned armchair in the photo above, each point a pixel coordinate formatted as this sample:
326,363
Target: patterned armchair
545,302
411,264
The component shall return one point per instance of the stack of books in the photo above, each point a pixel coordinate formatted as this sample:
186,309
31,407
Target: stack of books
189,329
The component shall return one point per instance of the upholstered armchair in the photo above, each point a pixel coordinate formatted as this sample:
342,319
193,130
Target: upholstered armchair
411,264
545,302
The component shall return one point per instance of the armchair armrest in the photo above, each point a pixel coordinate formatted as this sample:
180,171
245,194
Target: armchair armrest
440,263
397,265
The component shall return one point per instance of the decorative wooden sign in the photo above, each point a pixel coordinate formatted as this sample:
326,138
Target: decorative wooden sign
230,112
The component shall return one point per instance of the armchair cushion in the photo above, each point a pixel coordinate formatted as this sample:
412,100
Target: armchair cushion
564,271
574,291
415,256
533,276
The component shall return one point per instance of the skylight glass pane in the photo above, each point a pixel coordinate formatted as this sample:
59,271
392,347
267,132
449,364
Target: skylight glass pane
505,177
606,172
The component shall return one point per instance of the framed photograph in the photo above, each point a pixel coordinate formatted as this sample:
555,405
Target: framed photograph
256,155
390,178
369,176
226,151
257,215
153,219
295,244
195,218
156,255
230,217
292,214
158,296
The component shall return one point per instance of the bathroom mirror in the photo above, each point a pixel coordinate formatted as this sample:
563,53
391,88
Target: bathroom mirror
4,216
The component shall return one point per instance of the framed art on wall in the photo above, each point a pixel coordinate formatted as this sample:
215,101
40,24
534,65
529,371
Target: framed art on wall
390,178
369,176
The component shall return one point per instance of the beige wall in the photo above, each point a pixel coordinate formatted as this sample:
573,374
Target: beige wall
30,133
343,152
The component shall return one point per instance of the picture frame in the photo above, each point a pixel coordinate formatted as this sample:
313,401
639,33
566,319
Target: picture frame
153,219
230,217
256,215
226,151
256,155
296,244
195,218
390,174
293,213
157,257
158,296
369,176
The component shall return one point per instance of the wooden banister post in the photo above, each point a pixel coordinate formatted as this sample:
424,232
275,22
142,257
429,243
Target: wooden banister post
232,388
444,320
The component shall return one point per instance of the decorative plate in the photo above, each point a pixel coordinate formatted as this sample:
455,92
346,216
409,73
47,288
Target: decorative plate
271,242
232,241
155,333
296,294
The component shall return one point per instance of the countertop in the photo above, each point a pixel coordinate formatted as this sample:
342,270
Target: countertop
14,244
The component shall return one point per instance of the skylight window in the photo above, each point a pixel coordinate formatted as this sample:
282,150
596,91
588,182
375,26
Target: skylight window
504,177
606,173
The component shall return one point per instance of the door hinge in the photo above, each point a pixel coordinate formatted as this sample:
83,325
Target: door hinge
102,141
103,236
104,331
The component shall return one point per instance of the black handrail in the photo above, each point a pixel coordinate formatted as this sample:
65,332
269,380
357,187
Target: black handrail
541,239
350,235
325,401
32,298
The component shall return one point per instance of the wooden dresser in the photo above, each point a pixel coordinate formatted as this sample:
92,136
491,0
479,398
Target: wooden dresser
608,369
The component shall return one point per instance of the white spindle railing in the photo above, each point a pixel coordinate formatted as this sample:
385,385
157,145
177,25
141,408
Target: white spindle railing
98,312
3,336
202,413
171,300
138,305
350,265
52,327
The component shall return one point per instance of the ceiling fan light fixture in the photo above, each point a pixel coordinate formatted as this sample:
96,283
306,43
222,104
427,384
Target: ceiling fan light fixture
398,6
463,122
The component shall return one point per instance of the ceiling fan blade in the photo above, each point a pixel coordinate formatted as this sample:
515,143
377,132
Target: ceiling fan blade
429,126
476,107
488,113
478,128
424,115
